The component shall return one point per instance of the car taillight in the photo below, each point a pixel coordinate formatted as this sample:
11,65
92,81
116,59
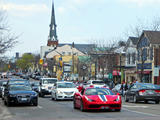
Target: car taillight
157,91
91,85
142,92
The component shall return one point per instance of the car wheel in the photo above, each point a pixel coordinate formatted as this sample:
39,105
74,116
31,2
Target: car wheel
8,103
35,103
157,101
117,110
55,98
134,99
42,95
82,106
146,101
125,98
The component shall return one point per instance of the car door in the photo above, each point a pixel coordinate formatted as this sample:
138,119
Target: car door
132,92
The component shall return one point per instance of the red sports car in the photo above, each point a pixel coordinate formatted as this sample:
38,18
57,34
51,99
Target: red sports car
97,98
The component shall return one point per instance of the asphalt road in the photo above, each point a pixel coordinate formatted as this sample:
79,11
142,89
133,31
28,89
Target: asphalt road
63,110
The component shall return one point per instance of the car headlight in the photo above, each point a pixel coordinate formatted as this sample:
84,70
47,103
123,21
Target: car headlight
35,94
118,98
90,100
59,92
12,95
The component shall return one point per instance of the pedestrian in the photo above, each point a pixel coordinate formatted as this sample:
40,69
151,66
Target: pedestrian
126,86
122,88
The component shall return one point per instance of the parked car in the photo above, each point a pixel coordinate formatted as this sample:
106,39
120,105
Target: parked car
2,84
117,89
143,92
20,93
38,77
63,90
35,86
46,85
96,83
92,98
16,81
24,76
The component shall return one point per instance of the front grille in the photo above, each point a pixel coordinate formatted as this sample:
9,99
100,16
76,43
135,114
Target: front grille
23,98
107,105
68,93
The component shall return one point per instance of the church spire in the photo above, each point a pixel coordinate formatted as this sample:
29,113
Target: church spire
53,40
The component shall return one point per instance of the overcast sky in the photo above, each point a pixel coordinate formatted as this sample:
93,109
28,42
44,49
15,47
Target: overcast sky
80,21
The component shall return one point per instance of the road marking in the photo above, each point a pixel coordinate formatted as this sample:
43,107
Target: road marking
135,106
149,114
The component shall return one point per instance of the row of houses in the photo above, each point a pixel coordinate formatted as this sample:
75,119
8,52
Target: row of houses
143,58
137,60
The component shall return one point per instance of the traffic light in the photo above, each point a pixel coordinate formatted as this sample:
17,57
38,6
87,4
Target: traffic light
41,61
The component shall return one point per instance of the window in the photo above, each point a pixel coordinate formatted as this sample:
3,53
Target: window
63,53
151,53
133,58
129,61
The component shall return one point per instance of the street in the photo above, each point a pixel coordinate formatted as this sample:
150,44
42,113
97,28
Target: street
63,110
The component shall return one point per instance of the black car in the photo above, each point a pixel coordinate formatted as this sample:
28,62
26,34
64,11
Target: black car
20,93
35,86
143,92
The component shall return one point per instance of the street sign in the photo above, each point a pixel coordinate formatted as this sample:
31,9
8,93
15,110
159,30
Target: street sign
156,71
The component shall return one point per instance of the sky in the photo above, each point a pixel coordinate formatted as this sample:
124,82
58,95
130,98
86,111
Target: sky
78,21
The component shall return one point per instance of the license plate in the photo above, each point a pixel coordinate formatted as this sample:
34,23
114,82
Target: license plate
23,99
104,108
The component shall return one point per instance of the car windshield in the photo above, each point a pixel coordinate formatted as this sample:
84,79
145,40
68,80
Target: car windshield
49,81
18,82
98,91
65,85
148,86
20,87
98,82
2,83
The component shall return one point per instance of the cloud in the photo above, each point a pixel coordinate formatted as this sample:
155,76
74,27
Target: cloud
23,10
74,5
141,3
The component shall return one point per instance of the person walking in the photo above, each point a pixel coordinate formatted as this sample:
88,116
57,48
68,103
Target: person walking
122,88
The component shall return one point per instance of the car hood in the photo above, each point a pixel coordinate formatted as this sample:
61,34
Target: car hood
68,89
102,98
22,92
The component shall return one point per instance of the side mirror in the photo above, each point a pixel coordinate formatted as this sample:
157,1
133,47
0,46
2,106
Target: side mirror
77,94
40,83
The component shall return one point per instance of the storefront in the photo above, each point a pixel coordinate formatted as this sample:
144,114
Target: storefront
130,75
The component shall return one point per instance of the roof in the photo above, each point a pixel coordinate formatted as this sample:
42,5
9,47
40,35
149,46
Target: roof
85,48
65,48
153,36
134,40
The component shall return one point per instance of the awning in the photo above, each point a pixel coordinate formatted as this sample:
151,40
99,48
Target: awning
115,72
144,72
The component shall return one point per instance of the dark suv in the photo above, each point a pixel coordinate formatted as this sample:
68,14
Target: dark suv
20,93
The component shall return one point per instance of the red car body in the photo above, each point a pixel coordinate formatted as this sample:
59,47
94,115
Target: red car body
91,102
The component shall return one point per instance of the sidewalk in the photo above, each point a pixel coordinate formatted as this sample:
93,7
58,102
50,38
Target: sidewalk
4,113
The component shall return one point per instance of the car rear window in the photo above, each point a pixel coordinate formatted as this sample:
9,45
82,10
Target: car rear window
98,82
148,86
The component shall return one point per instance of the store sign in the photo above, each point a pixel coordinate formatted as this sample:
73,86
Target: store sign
156,71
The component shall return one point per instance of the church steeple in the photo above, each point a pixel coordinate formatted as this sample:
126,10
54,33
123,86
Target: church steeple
52,39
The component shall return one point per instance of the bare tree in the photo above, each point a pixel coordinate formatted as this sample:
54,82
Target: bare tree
7,40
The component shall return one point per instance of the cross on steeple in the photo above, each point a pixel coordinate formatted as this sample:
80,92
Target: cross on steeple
52,38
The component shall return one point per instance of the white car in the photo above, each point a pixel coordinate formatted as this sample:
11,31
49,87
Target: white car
46,85
96,83
63,90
